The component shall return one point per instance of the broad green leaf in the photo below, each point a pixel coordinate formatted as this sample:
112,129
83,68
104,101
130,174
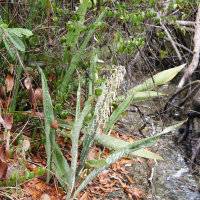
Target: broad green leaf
41,171
4,26
48,108
44,2
16,42
133,18
1,22
159,79
95,2
75,136
31,174
143,142
27,173
95,163
146,154
59,164
118,144
9,48
23,31
15,32
48,120
55,160
141,96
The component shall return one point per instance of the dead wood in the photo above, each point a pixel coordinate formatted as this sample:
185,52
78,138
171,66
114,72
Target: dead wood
173,44
195,60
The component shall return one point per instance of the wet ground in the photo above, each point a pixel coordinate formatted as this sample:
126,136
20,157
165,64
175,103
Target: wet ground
170,179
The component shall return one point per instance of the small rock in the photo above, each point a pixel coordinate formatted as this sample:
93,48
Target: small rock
45,197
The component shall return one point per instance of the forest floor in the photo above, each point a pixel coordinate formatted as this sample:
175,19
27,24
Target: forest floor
125,179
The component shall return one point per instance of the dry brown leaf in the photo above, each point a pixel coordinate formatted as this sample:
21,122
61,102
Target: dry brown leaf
33,110
85,196
40,115
54,125
50,78
8,121
69,119
45,197
2,92
166,149
137,193
24,113
139,160
11,69
26,144
27,83
130,180
5,153
123,185
54,74
31,97
91,155
3,169
9,82
38,93
37,160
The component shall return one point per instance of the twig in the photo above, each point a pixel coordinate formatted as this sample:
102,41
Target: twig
193,190
172,42
188,96
178,92
186,28
180,45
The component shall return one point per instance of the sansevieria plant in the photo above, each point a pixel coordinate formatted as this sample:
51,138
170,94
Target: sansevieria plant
68,176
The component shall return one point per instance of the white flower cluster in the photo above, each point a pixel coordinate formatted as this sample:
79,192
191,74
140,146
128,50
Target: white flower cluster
104,105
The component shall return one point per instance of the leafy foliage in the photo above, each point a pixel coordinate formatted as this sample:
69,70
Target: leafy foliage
72,48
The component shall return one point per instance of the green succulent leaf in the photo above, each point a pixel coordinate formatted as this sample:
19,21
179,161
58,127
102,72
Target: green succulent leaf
95,163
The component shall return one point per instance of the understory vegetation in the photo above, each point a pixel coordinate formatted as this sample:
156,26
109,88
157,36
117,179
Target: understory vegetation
69,70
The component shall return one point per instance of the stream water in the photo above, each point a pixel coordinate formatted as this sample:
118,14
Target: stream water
171,178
